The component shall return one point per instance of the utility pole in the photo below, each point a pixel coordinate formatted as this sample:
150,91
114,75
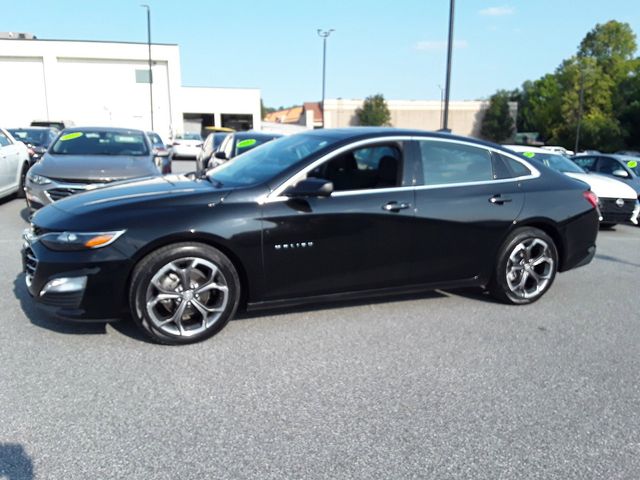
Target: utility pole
150,64
447,87
580,110
324,34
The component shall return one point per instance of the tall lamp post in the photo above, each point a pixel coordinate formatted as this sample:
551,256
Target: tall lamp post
150,65
447,86
324,34
580,110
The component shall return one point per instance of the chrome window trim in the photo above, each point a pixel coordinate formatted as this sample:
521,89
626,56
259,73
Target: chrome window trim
275,195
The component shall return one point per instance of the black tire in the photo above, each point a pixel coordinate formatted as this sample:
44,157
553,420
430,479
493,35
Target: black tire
141,292
535,279
607,226
23,177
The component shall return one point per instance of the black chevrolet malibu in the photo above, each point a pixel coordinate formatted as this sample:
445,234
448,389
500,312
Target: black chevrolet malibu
323,215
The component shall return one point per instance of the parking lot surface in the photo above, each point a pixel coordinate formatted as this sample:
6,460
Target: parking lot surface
439,385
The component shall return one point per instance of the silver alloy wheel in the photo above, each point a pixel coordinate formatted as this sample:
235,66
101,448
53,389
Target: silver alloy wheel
530,268
187,296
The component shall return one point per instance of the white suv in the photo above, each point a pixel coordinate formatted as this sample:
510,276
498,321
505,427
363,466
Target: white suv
14,163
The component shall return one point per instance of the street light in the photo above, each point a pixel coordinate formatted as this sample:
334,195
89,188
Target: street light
447,85
149,48
324,34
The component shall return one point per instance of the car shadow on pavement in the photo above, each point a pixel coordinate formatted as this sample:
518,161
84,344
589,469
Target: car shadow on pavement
15,464
609,258
25,214
474,293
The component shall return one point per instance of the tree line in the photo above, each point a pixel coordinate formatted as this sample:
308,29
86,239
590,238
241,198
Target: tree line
596,92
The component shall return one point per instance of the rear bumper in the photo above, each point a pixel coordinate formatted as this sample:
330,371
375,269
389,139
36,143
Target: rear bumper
580,234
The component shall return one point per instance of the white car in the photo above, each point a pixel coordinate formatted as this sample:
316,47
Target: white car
618,202
14,164
186,145
558,149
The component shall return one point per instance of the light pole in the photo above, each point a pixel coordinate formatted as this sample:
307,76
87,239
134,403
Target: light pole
580,110
447,85
441,102
324,34
150,65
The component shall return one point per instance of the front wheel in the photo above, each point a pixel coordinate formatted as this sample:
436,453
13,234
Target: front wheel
184,293
23,180
526,267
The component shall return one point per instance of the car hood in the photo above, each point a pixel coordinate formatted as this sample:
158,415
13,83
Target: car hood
605,187
94,168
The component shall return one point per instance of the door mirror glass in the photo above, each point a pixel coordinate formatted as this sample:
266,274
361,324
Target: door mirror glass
620,173
310,187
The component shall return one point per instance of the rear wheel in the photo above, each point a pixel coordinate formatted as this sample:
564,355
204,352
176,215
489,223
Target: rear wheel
184,293
607,225
526,267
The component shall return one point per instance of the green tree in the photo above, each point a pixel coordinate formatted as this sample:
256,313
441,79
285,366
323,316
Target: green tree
539,108
497,123
374,111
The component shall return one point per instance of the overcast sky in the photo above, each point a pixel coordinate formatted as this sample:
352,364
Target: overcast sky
397,48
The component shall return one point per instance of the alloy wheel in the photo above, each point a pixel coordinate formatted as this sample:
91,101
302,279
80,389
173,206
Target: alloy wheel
530,268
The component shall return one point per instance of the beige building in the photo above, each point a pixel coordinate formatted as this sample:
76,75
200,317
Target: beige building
465,117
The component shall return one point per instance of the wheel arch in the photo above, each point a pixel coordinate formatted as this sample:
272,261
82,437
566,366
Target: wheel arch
205,239
550,228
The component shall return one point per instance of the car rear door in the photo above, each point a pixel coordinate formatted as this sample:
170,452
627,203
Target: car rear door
465,206
360,237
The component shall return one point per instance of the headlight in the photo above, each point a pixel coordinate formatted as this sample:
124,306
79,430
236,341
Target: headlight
79,240
38,179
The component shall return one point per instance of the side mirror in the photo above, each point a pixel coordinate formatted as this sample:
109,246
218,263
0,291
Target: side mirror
160,153
310,187
620,173
220,155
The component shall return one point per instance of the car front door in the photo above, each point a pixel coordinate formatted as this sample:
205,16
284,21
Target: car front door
464,208
359,237
8,163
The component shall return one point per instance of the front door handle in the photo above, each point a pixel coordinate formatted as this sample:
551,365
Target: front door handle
395,206
500,200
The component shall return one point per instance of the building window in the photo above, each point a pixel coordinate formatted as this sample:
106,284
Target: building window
142,76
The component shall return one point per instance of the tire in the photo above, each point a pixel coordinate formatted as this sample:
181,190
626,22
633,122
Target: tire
607,226
517,278
23,177
183,315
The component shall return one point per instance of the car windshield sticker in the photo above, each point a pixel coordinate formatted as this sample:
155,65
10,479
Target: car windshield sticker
529,154
70,136
249,142
632,163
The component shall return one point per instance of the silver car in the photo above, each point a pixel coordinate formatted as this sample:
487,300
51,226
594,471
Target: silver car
87,158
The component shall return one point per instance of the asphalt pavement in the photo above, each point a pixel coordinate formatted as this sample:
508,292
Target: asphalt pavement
439,385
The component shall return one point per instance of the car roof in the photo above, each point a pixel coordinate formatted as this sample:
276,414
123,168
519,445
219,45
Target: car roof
252,134
104,129
33,128
527,148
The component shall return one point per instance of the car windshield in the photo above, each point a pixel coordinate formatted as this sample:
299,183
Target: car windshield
156,140
101,142
249,143
554,161
632,164
189,136
34,136
268,160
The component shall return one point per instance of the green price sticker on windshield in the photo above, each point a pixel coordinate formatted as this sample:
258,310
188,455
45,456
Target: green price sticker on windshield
632,163
70,136
249,142
529,154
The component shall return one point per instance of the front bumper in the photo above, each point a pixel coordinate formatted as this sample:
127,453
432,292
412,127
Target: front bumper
619,210
40,195
101,296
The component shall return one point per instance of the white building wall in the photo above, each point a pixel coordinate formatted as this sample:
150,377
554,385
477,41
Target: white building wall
218,101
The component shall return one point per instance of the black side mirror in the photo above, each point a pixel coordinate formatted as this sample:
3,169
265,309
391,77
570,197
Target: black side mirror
310,187
220,155
620,173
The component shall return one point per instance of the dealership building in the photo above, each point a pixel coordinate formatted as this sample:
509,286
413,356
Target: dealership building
107,84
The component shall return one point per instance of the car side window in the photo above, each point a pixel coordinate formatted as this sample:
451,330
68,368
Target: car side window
588,163
516,169
608,165
4,140
378,166
445,163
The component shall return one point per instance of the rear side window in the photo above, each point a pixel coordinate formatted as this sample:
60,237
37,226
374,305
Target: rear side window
608,165
4,140
446,163
588,163
517,169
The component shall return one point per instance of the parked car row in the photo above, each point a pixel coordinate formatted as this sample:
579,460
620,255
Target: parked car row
325,214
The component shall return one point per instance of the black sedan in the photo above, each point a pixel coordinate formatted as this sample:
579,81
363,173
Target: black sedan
37,140
323,215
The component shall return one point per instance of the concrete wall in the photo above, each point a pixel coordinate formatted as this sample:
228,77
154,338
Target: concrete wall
465,117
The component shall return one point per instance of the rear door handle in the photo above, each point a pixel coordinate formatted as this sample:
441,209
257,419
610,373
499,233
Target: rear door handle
395,206
499,200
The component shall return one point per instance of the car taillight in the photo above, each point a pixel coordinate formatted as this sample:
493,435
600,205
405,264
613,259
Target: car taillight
591,197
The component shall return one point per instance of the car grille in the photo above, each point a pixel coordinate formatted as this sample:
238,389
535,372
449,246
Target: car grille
611,212
56,194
